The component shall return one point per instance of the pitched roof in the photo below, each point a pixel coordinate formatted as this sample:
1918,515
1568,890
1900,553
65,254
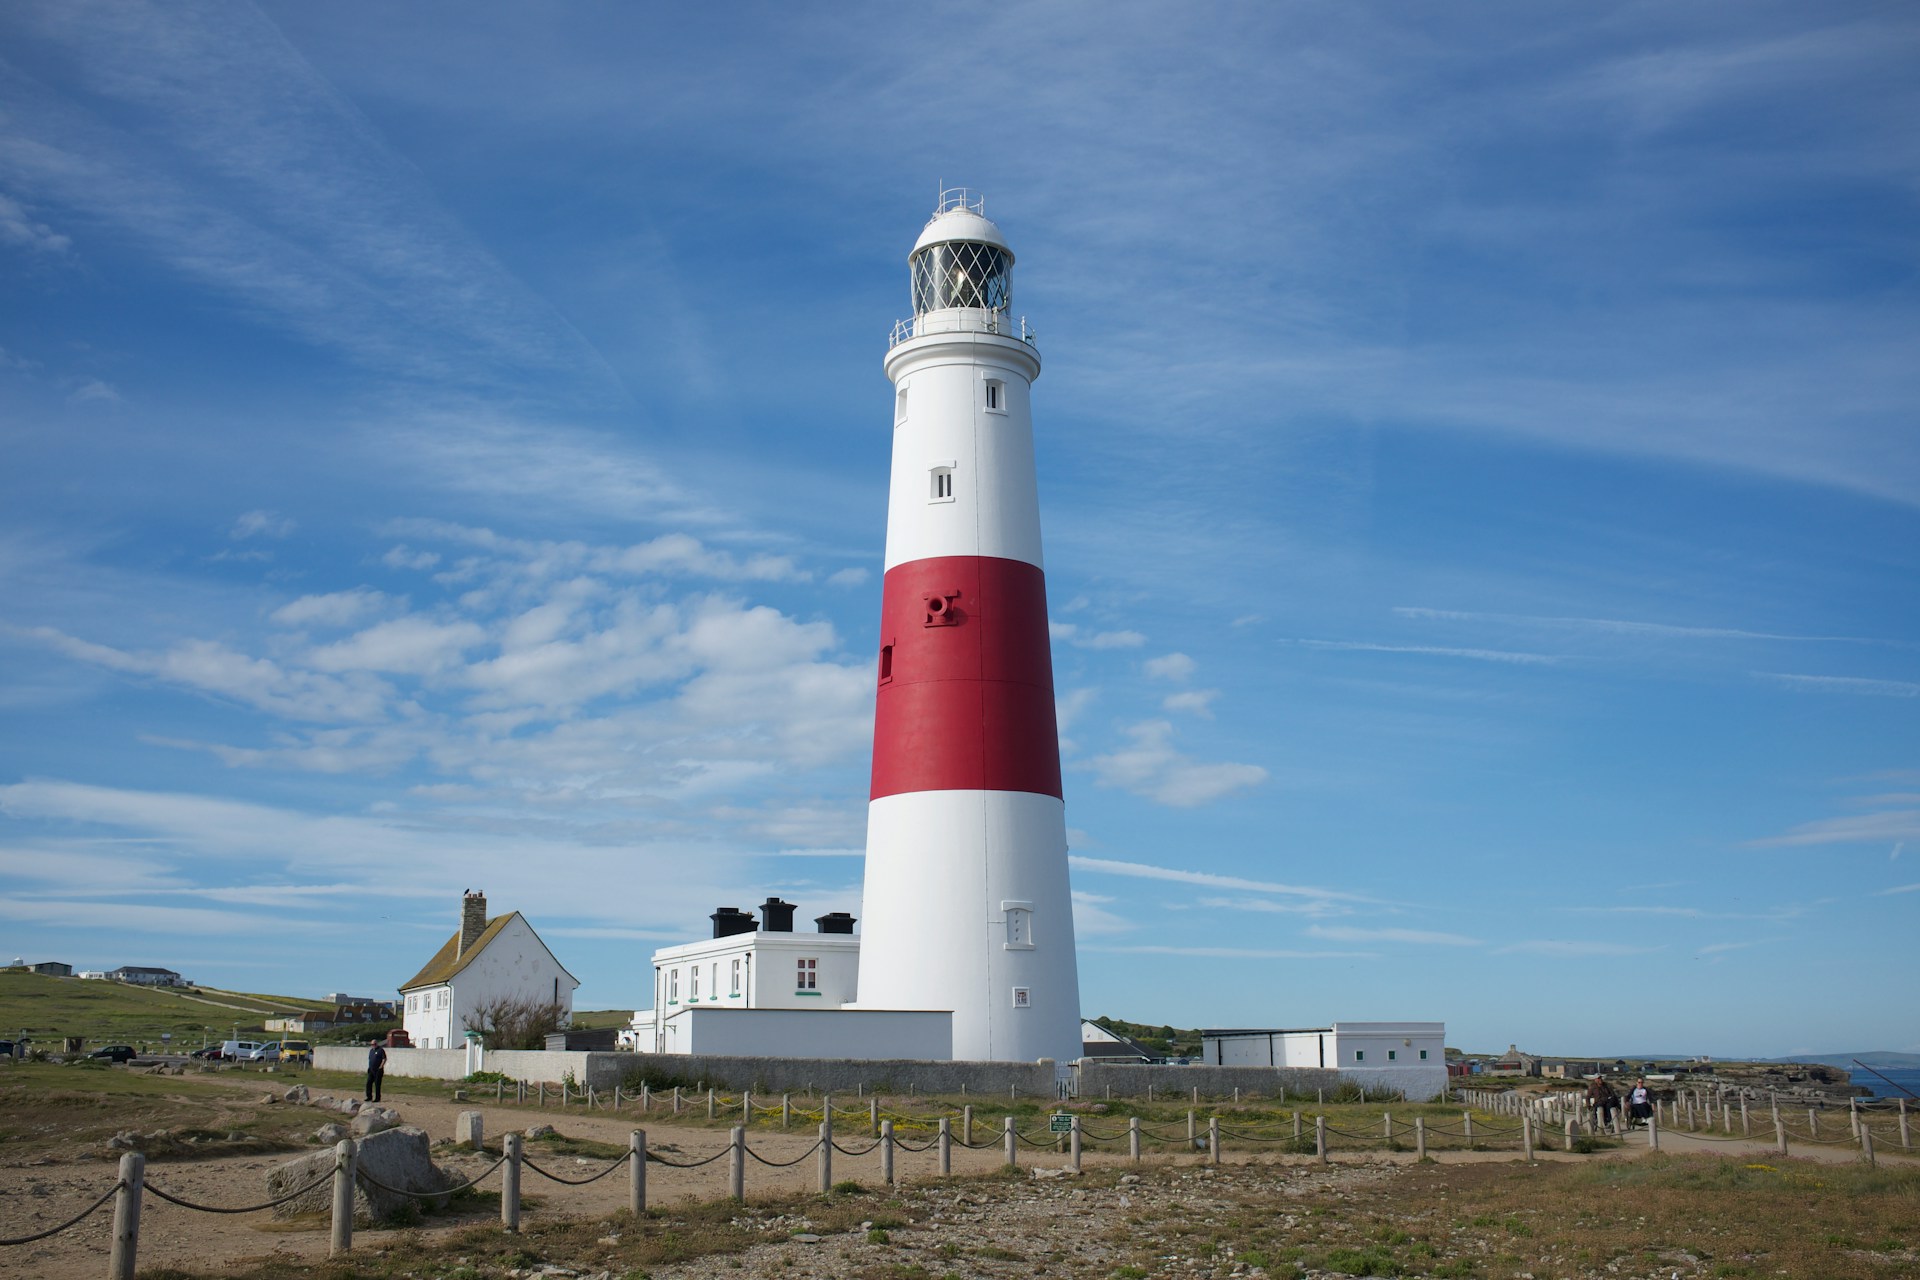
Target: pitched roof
450,960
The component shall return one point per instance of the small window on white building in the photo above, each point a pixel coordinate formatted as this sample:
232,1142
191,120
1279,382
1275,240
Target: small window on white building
808,978
940,483
996,397
1423,1055
673,985
1359,1055
693,982
1019,925
1023,997
444,993
736,977
1392,1054
713,976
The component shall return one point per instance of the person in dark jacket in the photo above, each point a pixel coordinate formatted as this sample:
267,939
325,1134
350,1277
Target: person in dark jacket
376,1069
1603,1100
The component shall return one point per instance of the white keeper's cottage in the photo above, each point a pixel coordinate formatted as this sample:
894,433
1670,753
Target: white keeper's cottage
486,961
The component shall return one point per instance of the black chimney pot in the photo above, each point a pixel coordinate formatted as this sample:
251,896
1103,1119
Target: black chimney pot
728,921
835,922
777,916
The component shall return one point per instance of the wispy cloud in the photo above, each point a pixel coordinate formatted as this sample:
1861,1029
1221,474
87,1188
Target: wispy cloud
17,227
1432,651
261,524
1854,685
1867,828
1150,765
1084,638
1900,888
1172,666
1179,875
1231,953
1622,626
1573,947
1416,937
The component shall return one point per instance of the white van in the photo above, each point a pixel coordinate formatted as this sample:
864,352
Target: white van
237,1050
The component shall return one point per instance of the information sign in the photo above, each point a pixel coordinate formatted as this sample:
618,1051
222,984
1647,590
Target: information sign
1060,1122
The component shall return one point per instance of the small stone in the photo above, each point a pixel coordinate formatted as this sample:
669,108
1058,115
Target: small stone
540,1131
328,1134
1129,1179
269,1098
804,1237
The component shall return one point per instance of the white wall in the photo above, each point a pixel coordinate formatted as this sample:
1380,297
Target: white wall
1385,1045
852,1034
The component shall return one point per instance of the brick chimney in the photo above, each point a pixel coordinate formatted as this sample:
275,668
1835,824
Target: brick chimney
473,919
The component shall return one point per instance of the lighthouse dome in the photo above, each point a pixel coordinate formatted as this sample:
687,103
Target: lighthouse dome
960,259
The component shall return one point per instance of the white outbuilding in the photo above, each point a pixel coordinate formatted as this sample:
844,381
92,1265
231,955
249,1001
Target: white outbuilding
486,962
1409,1056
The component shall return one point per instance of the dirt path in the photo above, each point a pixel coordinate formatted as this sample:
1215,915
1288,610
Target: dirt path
36,1196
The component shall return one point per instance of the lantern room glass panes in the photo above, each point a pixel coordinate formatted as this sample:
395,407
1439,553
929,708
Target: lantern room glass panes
961,274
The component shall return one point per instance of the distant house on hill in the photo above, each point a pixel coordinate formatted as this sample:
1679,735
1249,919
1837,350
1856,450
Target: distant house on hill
146,977
485,965
357,1009
53,969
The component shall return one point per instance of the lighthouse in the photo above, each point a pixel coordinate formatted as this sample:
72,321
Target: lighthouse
966,900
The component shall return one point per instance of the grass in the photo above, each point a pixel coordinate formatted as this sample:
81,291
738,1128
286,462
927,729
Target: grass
50,1009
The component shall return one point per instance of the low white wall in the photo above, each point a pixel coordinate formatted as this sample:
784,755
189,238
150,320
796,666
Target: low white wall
857,1035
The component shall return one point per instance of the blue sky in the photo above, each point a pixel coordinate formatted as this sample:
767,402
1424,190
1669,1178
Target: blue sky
446,448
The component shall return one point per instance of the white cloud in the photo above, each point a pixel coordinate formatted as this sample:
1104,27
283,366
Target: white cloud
1267,906
93,391
261,524
1899,888
1231,953
853,577
214,668
1870,828
1616,626
1153,767
334,609
405,557
1091,919
1198,702
409,646
17,227
1172,666
1080,638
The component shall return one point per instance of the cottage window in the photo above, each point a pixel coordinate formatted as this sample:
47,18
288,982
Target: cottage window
809,976
444,993
673,985
693,984
736,977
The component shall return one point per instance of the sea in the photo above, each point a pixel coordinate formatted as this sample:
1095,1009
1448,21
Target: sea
1869,1084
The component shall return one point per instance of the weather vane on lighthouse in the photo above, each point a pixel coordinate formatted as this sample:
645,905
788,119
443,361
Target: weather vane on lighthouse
967,903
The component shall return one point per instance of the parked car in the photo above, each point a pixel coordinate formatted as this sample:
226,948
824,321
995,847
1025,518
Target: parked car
398,1039
114,1053
300,1051
237,1050
211,1053
268,1052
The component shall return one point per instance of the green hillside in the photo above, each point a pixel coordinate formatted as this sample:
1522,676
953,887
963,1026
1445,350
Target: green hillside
48,1009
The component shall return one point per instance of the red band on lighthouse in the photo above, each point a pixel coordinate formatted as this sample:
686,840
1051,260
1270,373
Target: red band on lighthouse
966,695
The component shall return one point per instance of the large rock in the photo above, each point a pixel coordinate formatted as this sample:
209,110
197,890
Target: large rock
397,1158
328,1134
374,1119
297,1094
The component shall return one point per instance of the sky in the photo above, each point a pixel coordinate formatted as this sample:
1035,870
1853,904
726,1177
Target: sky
445,447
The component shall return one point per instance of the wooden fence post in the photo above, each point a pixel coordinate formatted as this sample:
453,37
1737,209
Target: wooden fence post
341,1240
1906,1142
1213,1139
737,1164
1320,1138
1526,1136
676,1099
886,1152
126,1217
1133,1138
1193,1132
637,1172
1866,1144
710,1104
826,1155
1653,1130
1779,1134
873,1115
1074,1147
1746,1121
786,1111
746,1106
1420,1136
510,1185
946,1147
1013,1155
966,1124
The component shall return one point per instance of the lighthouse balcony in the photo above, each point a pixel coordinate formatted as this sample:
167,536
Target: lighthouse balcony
963,320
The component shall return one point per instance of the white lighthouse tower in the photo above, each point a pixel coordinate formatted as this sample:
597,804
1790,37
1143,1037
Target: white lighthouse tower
967,905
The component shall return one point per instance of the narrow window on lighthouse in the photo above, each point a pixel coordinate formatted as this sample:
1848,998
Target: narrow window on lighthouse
996,397
886,663
900,405
940,487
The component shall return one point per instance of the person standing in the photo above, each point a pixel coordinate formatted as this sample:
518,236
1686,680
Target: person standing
376,1069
